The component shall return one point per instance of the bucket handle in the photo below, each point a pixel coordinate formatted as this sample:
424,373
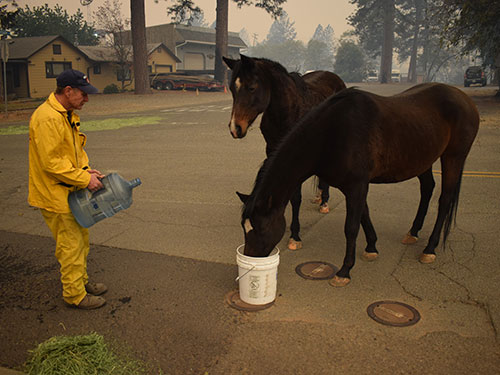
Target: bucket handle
239,277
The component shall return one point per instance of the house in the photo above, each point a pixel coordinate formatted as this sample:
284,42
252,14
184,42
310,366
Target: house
34,63
104,68
194,46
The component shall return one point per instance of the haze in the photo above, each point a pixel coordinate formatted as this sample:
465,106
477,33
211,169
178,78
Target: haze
254,20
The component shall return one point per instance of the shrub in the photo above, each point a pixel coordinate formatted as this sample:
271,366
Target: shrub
111,89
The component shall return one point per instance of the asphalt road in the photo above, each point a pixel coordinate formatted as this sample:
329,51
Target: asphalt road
186,207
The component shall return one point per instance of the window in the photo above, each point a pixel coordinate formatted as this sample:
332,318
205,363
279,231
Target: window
56,49
97,69
53,69
123,73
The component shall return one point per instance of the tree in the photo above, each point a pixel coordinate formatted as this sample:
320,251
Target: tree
281,30
290,54
8,12
409,33
245,36
272,7
388,41
183,11
325,35
43,20
374,22
221,39
280,45
139,45
317,56
350,61
320,50
473,25
110,21
199,20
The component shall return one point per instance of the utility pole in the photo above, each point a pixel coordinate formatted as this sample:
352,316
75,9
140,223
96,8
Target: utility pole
4,52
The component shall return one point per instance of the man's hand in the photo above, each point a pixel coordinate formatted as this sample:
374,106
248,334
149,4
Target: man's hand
95,184
96,172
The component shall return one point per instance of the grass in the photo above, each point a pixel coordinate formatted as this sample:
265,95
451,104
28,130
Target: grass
96,125
79,355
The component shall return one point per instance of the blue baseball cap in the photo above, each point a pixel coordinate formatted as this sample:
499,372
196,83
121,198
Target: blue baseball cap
75,78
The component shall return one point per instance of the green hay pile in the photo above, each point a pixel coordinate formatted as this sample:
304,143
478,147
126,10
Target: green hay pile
78,355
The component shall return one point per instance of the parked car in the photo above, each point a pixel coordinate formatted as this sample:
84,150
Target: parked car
176,81
474,75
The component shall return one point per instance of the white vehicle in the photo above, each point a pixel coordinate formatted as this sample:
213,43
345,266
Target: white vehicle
372,76
396,76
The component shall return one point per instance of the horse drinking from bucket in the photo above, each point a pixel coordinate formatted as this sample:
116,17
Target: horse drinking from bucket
264,86
356,138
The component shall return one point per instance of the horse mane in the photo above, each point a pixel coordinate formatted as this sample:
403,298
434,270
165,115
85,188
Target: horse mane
281,70
296,132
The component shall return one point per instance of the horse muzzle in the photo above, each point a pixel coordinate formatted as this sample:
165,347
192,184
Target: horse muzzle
237,131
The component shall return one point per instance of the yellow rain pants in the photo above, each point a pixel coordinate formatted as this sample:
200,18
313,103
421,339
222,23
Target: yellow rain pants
71,251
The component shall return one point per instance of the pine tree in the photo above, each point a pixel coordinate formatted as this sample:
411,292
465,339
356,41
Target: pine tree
281,30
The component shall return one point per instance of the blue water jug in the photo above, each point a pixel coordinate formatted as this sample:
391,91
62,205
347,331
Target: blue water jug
88,208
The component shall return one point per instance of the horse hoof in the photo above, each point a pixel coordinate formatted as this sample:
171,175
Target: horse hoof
339,281
427,258
324,209
369,257
294,245
409,239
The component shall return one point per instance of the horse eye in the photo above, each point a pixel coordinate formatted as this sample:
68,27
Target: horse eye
252,88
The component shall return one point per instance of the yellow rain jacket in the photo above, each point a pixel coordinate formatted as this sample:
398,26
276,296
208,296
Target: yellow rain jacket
57,160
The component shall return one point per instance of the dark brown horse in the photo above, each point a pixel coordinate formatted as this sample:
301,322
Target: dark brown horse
264,86
356,138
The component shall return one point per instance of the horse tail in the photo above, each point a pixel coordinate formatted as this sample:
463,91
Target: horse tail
451,215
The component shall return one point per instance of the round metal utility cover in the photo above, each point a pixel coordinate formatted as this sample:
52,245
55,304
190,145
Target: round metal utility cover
233,299
316,270
393,313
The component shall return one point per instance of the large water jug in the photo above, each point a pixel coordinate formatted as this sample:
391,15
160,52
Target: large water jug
88,208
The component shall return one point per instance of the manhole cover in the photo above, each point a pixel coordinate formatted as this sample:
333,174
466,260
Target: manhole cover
393,313
233,300
316,270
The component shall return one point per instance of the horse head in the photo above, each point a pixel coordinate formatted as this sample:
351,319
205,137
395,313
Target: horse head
251,94
263,225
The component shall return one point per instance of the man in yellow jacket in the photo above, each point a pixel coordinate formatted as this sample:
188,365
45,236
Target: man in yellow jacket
58,165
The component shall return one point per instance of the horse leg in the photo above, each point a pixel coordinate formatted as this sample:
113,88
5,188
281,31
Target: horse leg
325,195
295,243
371,252
427,185
452,168
356,205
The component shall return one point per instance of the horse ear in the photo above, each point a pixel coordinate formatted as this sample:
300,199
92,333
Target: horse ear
243,197
229,62
247,61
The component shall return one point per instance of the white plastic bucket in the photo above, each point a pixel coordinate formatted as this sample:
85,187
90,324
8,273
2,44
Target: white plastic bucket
257,276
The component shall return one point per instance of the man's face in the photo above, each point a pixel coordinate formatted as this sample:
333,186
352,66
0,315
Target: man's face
76,97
